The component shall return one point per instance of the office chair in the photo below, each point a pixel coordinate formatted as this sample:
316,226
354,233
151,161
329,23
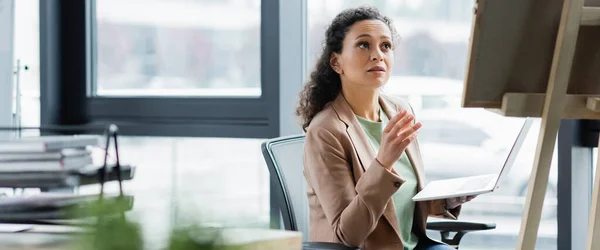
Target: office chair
283,156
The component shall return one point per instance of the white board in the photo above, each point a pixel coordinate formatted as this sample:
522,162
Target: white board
6,62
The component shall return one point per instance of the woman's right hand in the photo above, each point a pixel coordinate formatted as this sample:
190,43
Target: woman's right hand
397,135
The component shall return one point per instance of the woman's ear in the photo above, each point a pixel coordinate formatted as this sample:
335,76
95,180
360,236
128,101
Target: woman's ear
335,63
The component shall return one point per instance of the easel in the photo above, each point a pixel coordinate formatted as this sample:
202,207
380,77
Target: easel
530,58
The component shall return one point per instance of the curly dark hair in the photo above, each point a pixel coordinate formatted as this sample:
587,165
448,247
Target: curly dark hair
325,84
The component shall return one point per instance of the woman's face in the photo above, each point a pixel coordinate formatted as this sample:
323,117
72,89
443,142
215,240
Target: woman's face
367,57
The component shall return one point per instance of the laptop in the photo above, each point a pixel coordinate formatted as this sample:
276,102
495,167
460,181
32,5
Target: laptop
474,185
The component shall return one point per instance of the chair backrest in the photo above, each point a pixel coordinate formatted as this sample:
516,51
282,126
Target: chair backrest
284,159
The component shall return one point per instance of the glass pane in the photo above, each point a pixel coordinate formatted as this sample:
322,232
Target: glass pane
594,162
434,102
27,58
178,48
428,72
187,180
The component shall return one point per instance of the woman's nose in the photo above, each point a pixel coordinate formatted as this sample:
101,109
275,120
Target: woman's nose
377,56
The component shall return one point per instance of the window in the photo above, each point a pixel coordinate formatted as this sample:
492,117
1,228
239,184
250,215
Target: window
178,48
451,132
7,30
594,162
161,99
434,102
163,68
27,63
455,142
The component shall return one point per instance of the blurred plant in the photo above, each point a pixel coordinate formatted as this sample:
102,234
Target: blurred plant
113,234
194,238
111,230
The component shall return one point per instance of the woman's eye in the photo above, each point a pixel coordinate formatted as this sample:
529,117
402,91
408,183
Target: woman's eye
363,45
387,46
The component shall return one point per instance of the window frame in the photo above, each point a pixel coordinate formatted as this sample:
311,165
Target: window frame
575,183
239,117
198,116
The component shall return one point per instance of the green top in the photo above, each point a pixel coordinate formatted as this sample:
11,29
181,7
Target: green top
402,199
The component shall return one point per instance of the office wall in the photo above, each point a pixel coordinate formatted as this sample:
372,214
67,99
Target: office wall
6,59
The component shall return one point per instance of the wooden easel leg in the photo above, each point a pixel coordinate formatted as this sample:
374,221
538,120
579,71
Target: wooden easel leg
554,104
593,237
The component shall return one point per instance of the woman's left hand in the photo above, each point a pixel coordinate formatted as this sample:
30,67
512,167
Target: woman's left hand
452,203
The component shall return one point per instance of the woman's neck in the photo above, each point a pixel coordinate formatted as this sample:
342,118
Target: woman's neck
364,102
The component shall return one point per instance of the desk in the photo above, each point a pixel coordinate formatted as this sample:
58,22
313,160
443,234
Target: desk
63,238
39,238
183,181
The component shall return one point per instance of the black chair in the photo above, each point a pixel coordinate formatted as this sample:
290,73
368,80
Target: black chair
289,203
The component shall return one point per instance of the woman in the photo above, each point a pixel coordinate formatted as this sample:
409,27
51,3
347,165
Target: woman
361,161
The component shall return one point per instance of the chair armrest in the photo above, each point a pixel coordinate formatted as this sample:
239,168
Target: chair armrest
459,226
325,246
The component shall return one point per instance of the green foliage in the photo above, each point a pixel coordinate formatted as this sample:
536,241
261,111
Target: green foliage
112,234
111,230
193,238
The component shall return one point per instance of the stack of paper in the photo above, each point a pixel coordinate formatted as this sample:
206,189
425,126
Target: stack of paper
46,153
61,206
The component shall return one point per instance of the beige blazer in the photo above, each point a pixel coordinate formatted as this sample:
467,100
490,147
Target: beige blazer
349,192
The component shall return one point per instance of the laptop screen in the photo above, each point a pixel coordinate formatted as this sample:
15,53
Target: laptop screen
514,151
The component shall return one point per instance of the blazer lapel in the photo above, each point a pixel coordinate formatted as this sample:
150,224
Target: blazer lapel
357,136
363,149
414,155
412,151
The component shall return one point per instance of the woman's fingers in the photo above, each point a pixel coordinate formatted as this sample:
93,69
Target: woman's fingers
466,198
401,124
460,200
402,143
394,120
410,130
